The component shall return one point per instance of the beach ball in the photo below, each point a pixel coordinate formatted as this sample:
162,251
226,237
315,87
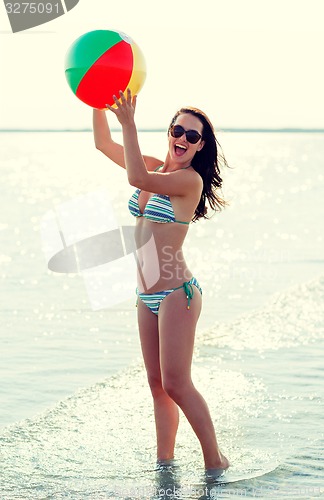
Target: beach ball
100,63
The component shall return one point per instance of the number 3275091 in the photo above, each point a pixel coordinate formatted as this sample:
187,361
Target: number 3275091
32,8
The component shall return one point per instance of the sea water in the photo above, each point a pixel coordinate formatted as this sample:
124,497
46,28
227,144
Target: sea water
76,413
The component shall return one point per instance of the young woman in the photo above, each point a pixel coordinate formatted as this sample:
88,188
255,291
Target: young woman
168,197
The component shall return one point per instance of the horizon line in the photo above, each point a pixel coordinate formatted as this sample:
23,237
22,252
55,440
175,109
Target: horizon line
155,129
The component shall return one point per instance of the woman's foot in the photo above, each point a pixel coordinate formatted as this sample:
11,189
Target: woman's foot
218,467
164,464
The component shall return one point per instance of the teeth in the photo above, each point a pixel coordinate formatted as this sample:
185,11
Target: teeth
180,146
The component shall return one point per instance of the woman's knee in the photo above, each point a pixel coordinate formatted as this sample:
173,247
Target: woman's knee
175,387
155,384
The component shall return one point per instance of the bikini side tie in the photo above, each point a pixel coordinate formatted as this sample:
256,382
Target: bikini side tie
188,291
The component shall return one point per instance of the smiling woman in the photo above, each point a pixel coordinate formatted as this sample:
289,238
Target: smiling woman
168,197
207,162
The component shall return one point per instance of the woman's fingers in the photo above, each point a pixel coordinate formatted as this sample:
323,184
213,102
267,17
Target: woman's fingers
117,102
122,97
124,106
129,96
110,107
123,100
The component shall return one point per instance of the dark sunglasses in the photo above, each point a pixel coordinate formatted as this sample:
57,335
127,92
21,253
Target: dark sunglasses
192,136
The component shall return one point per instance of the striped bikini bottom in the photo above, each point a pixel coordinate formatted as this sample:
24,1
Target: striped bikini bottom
153,300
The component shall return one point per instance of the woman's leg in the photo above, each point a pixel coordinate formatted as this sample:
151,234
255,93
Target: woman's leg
165,409
177,327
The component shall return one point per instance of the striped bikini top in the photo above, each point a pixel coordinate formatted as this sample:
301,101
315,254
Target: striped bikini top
157,209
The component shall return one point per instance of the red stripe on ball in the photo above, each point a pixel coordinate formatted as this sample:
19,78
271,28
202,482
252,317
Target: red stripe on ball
109,74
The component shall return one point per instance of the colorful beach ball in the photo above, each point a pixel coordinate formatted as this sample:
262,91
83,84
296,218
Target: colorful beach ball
102,62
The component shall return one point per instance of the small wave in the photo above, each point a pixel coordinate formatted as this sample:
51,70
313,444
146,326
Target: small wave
294,317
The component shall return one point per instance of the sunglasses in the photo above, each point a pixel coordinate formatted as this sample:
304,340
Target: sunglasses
192,136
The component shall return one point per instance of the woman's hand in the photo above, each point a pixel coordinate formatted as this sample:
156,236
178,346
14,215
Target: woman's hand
125,109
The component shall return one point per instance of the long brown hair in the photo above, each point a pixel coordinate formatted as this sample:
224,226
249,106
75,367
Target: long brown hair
207,163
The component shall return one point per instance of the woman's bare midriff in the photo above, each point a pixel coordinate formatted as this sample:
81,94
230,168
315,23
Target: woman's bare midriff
161,264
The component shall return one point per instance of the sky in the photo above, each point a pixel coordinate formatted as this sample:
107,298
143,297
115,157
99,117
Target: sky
246,63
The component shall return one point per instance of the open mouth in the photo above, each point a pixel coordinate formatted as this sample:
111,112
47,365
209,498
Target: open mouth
180,149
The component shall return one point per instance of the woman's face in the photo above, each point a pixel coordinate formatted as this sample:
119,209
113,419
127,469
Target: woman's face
180,149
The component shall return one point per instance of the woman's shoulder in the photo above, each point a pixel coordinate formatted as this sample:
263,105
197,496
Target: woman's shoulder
152,163
196,178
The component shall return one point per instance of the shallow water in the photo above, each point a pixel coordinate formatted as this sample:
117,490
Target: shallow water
264,389
76,412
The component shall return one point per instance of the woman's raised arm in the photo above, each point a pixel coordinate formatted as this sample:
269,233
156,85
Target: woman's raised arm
103,139
110,148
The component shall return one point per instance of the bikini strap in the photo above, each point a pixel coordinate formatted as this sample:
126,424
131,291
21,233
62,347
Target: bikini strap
187,286
188,289
182,168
